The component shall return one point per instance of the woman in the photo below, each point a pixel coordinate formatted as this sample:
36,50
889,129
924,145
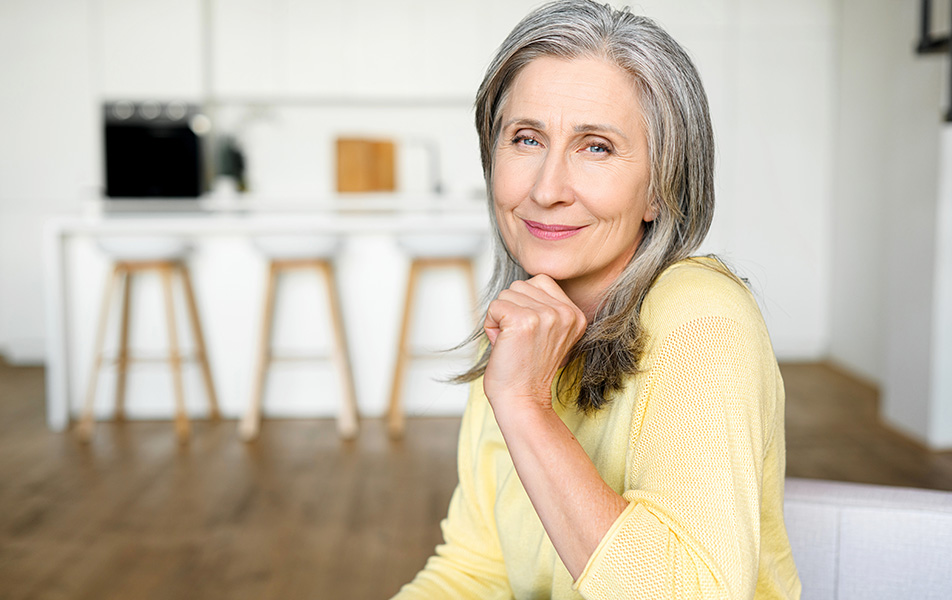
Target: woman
624,435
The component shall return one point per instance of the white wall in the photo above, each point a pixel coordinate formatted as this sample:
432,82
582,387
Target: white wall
912,191
889,121
769,68
48,152
872,51
938,427
892,256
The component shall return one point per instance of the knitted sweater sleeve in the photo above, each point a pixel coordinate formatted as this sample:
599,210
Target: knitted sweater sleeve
469,563
695,458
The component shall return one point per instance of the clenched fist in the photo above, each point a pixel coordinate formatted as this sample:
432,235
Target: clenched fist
531,326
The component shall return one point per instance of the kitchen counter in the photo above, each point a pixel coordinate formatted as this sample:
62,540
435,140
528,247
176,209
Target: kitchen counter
228,274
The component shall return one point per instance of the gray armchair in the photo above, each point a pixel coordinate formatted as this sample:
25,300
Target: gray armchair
858,541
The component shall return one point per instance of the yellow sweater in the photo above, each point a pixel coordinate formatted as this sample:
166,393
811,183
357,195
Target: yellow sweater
694,443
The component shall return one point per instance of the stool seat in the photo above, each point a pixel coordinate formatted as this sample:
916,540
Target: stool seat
144,247
441,245
285,247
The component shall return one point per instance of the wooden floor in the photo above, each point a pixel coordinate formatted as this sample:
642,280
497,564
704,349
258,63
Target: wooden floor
299,514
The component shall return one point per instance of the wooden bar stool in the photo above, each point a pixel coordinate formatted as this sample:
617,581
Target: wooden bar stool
427,251
164,257
315,253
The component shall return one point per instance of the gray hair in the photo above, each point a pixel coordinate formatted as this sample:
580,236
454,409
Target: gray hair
681,186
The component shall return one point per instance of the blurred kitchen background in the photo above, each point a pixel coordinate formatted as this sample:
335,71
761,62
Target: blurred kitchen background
834,182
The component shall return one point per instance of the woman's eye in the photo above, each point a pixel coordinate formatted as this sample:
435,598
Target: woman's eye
598,148
525,140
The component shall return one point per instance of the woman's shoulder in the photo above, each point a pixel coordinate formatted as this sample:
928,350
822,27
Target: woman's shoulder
697,288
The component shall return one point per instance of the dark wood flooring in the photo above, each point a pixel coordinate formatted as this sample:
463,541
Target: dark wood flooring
834,432
299,514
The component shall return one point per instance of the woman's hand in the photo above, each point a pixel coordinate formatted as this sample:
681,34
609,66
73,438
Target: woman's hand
531,326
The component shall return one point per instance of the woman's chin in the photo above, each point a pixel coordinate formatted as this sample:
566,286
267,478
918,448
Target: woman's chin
556,273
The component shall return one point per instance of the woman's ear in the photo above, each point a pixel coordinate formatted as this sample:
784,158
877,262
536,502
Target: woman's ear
651,211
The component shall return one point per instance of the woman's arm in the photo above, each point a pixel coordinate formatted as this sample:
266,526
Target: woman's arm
532,327
575,505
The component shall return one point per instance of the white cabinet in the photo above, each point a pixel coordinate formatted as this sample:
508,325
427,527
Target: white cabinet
245,58
149,48
377,49
297,49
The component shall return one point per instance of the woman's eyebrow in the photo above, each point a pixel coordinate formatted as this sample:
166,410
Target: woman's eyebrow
533,123
595,128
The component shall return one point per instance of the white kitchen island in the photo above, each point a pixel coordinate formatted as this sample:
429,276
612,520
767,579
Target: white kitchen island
228,274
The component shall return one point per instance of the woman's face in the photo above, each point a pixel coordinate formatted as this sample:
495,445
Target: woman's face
571,171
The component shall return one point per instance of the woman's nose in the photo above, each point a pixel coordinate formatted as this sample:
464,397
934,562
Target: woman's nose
552,182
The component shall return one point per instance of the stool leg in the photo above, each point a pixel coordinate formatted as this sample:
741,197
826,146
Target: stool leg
348,417
251,422
202,352
395,416
87,422
175,357
122,364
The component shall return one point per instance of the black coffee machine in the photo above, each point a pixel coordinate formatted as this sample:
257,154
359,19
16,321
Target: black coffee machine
154,149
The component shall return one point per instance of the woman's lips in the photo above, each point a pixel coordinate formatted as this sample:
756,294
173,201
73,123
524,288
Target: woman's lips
545,231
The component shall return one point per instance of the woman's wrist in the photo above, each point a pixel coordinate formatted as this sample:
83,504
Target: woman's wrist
520,414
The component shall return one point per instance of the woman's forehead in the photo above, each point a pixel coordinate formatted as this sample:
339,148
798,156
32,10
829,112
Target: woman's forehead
572,94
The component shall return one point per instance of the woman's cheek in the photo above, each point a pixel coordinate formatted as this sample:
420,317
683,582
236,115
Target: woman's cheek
507,221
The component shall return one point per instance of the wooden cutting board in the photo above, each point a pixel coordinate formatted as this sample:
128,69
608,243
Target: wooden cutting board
365,165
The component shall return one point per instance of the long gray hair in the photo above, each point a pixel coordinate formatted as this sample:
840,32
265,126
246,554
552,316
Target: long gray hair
681,151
